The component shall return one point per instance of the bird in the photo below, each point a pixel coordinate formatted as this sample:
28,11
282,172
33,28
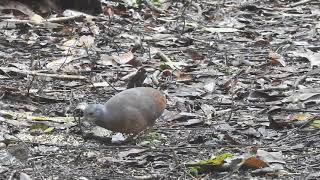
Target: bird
131,111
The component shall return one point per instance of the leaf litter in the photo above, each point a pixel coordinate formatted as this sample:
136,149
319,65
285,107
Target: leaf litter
240,79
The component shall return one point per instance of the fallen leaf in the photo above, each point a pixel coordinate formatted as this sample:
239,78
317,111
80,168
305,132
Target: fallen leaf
86,41
254,162
191,122
276,58
133,151
270,157
106,60
183,77
314,58
124,58
37,19
56,64
209,164
220,30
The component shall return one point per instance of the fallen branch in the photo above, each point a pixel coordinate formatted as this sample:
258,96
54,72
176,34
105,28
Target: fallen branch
303,77
33,73
51,20
300,3
66,19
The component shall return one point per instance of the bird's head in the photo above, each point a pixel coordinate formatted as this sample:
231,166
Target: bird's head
94,112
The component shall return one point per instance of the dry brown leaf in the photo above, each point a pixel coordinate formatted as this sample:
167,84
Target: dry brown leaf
254,162
275,59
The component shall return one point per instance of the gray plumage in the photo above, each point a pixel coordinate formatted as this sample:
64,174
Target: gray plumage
130,111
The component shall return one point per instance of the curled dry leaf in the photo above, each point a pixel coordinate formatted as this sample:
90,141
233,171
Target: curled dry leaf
183,77
210,87
71,43
166,73
275,59
106,60
86,41
124,58
195,55
270,157
56,64
37,19
311,56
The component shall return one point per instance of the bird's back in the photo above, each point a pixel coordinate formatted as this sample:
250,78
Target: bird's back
134,109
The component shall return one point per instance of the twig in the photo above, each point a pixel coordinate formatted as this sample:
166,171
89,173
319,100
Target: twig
154,77
30,84
35,168
293,131
302,78
300,3
163,56
197,6
106,80
34,73
12,174
51,20
68,54
178,165
128,76
66,19
148,177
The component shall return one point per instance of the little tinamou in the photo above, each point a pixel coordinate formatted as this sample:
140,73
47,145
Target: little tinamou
130,111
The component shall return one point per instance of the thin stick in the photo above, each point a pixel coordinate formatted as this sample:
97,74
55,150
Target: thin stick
300,3
34,73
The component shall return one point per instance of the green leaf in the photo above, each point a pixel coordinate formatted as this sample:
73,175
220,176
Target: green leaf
316,123
208,165
39,126
49,130
216,161
172,65
193,171
164,66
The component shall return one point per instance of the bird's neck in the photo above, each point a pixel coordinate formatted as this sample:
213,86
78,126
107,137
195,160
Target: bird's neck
108,120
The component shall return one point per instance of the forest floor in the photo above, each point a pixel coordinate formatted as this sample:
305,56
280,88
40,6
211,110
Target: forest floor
241,81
